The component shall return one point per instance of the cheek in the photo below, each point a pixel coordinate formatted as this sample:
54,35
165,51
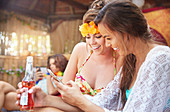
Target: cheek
87,41
101,42
52,66
108,43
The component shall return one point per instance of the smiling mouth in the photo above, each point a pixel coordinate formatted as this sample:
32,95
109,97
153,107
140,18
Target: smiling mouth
95,48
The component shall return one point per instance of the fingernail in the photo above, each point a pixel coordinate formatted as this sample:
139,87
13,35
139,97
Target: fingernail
18,95
20,86
21,90
16,103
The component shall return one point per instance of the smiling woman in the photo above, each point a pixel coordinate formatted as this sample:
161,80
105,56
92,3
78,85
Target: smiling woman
144,74
91,64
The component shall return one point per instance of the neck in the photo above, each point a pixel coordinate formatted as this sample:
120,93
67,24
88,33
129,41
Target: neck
103,58
141,49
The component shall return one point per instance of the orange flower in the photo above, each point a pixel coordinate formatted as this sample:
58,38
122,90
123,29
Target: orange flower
90,28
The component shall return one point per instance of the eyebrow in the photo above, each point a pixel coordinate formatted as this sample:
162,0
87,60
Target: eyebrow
106,36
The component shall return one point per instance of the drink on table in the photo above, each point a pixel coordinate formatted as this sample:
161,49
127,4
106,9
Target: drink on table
26,101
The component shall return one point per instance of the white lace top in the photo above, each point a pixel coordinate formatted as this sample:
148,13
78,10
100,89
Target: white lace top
151,91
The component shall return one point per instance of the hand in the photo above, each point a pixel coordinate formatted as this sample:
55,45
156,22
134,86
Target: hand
70,92
39,95
38,75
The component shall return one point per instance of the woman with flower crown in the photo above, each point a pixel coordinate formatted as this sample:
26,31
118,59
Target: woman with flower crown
145,78
144,75
91,60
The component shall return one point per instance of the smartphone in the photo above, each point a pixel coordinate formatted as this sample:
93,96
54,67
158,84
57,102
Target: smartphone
53,75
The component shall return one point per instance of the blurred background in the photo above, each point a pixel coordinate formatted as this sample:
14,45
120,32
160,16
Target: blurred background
44,27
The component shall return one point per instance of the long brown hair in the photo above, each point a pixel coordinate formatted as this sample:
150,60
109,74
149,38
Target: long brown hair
60,61
125,18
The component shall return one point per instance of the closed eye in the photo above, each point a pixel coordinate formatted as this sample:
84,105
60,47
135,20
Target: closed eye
108,38
87,37
99,36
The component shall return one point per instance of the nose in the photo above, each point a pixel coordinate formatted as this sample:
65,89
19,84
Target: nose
92,41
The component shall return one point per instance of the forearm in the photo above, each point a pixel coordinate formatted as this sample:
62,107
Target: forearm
87,106
50,87
57,102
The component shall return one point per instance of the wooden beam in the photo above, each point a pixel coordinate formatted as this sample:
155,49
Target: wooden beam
24,11
34,3
75,4
65,17
52,7
72,10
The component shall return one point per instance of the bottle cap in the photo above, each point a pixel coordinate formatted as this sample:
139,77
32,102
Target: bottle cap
29,59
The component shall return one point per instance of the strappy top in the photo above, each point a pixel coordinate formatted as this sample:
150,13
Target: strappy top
83,84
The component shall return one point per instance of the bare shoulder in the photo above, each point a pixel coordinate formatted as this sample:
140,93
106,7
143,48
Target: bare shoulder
81,52
80,48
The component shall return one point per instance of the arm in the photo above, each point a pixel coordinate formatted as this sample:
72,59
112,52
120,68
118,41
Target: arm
72,66
50,87
38,74
108,99
43,100
77,99
71,69
57,102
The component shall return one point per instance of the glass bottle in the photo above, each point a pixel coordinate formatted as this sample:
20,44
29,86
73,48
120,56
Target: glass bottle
26,101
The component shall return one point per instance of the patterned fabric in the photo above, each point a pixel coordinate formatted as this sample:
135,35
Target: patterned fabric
82,83
84,86
151,90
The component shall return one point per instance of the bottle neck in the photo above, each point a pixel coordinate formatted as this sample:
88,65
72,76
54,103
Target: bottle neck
29,76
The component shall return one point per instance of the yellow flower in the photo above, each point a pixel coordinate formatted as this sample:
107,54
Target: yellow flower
90,28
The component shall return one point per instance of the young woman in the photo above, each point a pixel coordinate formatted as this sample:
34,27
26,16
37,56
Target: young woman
92,64
57,64
145,77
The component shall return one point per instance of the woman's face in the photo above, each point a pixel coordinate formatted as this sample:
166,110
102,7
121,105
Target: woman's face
96,42
53,67
112,38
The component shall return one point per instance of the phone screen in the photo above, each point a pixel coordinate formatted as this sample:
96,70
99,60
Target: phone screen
53,75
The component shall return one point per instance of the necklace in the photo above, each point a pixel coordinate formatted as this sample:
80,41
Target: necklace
114,62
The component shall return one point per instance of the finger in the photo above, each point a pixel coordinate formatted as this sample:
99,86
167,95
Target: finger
39,74
71,83
35,90
17,102
20,85
18,96
39,78
60,86
37,69
54,80
19,92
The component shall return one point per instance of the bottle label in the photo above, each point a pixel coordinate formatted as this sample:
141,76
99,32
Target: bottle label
24,98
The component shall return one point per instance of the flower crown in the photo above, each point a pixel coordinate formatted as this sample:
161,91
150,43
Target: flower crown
90,28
